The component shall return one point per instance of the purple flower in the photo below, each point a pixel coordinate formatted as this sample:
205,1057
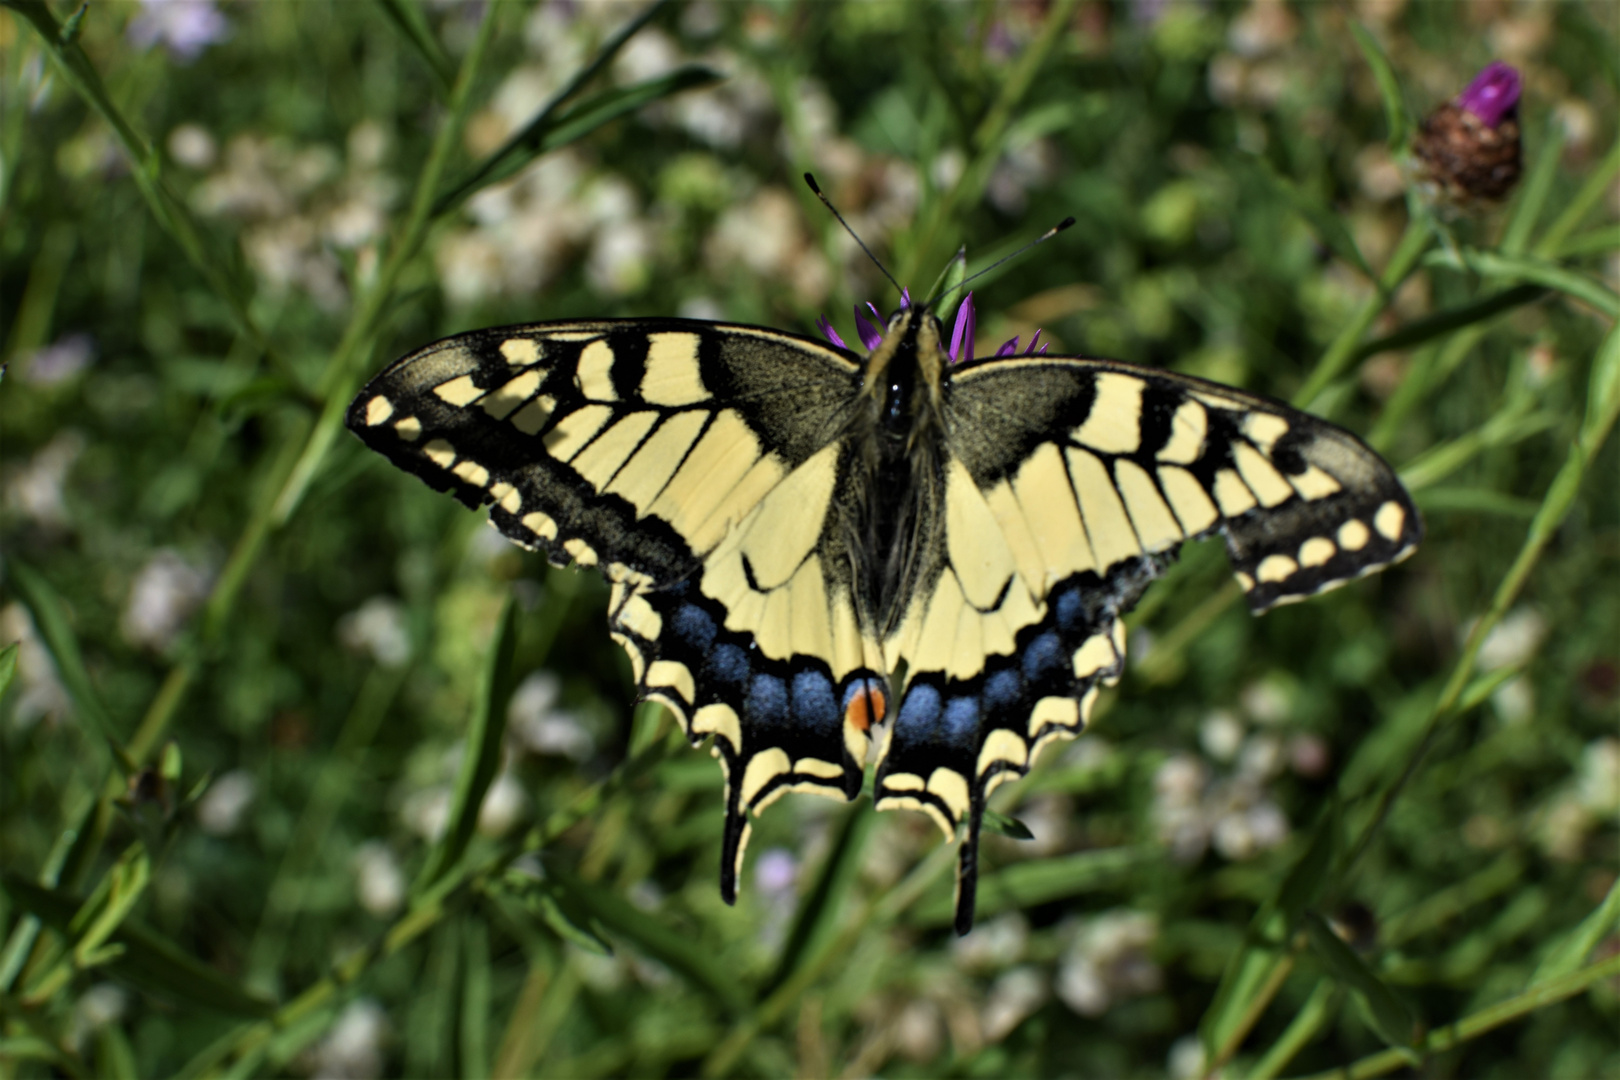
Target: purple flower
185,27
962,332
1493,94
961,350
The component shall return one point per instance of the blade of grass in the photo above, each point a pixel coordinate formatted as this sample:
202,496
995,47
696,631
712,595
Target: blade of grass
407,19
1571,952
1341,352
1590,195
1317,1012
50,618
1480,1023
482,757
1038,881
1330,228
690,958
476,994
1396,114
1391,1019
148,959
820,909
147,171
542,119
1582,287
553,132
1445,322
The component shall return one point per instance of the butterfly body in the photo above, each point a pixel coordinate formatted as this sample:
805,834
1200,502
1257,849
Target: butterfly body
822,561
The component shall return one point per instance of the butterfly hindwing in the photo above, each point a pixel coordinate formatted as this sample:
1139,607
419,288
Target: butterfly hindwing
1068,485
695,465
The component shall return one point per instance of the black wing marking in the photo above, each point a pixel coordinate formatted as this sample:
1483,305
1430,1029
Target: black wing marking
692,463
1069,485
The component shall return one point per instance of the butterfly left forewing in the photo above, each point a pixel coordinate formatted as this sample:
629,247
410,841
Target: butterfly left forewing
1068,486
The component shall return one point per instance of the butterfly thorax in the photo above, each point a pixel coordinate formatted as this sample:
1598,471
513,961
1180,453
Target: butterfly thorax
897,464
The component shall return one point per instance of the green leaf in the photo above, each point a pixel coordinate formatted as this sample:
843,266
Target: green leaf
1533,192
1444,322
1390,1018
1396,113
1601,240
1330,227
126,881
8,665
1035,882
949,280
1308,879
1003,825
51,620
819,912
547,132
148,960
407,19
1248,971
1573,283
476,991
680,952
483,752
1571,951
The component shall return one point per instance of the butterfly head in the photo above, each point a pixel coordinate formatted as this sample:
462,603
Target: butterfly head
906,368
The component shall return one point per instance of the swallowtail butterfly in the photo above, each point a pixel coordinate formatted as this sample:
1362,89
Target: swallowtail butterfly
910,559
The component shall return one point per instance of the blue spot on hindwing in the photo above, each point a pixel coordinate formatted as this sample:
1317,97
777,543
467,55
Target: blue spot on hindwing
767,701
815,706
1002,690
1043,657
728,666
962,721
1068,609
694,627
919,712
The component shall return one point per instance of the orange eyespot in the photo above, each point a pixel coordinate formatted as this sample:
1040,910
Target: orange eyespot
866,707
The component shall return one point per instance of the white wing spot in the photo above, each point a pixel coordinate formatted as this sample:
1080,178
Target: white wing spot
1264,429
459,392
409,429
1353,535
1313,483
1276,568
541,525
472,472
378,410
520,351
440,453
1389,520
595,372
1317,551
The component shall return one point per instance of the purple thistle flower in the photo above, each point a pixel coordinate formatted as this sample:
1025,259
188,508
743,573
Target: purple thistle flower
1493,94
962,332
869,332
1466,153
1009,348
185,27
825,325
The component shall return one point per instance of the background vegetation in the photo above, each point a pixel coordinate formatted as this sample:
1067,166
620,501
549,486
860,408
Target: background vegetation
306,772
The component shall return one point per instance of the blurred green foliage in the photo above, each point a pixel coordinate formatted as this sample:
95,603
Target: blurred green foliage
305,772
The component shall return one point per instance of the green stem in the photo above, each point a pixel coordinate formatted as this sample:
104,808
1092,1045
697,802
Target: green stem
1479,1023
1342,351
1317,1011
988,138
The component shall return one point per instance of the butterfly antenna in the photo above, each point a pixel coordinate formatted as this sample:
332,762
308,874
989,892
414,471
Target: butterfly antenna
1041,239
811,180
